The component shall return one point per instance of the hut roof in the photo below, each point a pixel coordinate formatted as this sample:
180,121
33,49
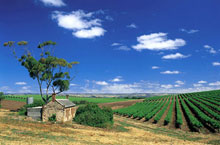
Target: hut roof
65,102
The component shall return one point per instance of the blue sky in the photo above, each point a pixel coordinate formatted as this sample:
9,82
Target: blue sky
123,46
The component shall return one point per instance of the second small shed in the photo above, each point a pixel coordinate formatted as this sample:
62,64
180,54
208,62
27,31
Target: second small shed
63,108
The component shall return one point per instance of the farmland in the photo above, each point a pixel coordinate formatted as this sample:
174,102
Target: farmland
20,130
22,98
192,111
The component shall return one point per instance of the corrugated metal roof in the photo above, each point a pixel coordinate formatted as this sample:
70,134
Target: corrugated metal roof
65,102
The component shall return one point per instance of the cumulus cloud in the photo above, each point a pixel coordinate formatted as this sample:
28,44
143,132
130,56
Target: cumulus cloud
216,63
155,67
20,83
55,3
180,82
175,56
215,83
132,25
189,31
83,25
89,33
73,85
117,79
168,86
170,72
101,83
157,41
210,49
202,82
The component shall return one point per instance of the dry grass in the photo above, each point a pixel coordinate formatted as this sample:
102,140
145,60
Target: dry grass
20,130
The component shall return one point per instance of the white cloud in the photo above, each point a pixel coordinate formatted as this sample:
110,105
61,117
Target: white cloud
215,83
177,85
4,88
170,72
89,33
73,84
202,82
197,85
216,63
189,31
116,44
175,56
20,83
210,49
123,47
101,83
168,86
157,41
109,18
83,25
155,67
55,3
117,79
180,82
132,25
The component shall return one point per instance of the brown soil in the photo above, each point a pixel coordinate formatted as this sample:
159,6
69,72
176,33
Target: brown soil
184,126
172,123
20,130
122,104
161,121
12,105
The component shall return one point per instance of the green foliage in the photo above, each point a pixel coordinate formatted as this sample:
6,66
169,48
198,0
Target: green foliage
193,122
179,120
52,118
92,115
160,114
169,114
47,69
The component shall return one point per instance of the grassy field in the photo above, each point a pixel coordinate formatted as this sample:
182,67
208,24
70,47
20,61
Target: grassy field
21,130
22,98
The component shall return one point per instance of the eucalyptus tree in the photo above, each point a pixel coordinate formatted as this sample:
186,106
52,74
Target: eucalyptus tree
49,71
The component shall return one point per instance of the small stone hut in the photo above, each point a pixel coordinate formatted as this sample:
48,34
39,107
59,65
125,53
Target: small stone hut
63,108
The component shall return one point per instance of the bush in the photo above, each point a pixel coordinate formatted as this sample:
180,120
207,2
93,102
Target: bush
52,118
92,115
23,110
80,102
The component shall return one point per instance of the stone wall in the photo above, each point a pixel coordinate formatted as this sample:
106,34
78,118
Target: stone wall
53,108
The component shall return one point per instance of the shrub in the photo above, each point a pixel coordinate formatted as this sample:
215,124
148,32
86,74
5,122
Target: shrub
52,118
92,115
23,110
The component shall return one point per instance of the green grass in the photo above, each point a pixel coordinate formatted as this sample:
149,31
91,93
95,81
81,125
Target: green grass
92,100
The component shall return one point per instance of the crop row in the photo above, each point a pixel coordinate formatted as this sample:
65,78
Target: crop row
202,116
169,114
193,121
204,108
179,120
160,114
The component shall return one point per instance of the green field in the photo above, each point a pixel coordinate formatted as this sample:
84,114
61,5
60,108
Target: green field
199,111
22,98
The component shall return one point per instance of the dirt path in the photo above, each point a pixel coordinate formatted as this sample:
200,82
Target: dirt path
16,130
122,104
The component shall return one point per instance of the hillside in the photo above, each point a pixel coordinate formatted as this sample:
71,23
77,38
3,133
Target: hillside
190,112
21,130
